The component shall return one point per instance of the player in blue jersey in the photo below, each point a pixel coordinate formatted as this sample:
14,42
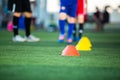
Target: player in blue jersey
67,12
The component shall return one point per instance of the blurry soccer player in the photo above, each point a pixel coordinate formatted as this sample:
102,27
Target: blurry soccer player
81,15
67,12
19,7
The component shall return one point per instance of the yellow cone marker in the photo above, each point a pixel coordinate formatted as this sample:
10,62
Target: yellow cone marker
84,44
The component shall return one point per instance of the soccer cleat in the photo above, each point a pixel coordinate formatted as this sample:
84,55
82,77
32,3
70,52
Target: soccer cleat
69,41
79,38
74,39
18,38
61,38
60,41
32,38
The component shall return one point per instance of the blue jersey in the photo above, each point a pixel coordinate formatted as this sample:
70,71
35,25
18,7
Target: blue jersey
68,1
69,7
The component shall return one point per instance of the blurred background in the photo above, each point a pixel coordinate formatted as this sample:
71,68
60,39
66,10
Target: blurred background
46,12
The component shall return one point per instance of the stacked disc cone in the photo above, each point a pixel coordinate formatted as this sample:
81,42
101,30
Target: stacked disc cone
70,50
84,44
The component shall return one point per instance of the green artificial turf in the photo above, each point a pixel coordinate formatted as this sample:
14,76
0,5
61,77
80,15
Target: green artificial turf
43,61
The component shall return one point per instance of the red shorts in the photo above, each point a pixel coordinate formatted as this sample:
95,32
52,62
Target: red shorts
81,7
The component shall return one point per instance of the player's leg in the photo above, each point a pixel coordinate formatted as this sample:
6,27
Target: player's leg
74,33
81,26
28,15
16,14
81,12
29,37
71,25
62,22
17,37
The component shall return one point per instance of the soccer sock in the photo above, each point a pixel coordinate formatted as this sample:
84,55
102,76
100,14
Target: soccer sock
27,26
62,26
80,30
74,31
15,25
70,29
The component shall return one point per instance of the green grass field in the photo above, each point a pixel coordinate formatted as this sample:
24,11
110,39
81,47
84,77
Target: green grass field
43,60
